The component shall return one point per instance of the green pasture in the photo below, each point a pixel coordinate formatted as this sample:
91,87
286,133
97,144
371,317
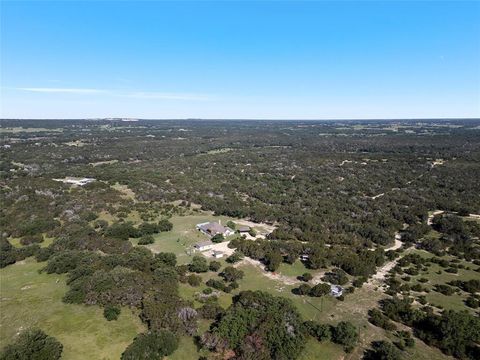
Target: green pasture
29,298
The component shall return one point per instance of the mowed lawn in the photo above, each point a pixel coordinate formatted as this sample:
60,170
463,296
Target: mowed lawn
32,299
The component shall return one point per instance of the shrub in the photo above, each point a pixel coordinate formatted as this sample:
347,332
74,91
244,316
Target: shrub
146,240
169,259
111,312
207,291
33,344
345,334
336,276
217,284
214,266
358,282
194,280
199,264
231,274
472,302
235,257
405,340
303,289
444,289
320,290
210,310
416,287
378,319
164,225
422,299
273,259
31,239
307,277
152,346
218,238
148,228
382,350
322,332
122,231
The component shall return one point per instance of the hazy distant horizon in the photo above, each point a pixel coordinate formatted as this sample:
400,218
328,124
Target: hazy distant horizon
239,119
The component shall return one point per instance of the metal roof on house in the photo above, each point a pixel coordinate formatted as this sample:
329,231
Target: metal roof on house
203,243
213,228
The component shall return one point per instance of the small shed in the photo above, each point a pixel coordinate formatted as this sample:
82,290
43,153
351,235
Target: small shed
244,229
217,254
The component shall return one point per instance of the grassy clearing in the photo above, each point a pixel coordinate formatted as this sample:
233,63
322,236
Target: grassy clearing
183,236
188,292
315,350
16,242
437,275
296,269
107,217
32,299
310,308
187,350
125,190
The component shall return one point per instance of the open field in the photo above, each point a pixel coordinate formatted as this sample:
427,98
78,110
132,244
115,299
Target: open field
33,299
437,275
183,236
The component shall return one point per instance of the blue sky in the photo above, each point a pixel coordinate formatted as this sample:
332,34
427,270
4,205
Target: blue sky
250,59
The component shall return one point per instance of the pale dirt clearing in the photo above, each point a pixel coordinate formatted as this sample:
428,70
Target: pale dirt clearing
106,162
263,229
223,247
397,245
430,216
379,277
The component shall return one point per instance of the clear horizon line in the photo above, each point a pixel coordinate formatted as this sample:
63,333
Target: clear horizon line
238,119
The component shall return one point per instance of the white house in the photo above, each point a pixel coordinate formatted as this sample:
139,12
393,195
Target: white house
203,245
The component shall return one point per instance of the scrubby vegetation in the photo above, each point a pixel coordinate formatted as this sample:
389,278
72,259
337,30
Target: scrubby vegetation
337,196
